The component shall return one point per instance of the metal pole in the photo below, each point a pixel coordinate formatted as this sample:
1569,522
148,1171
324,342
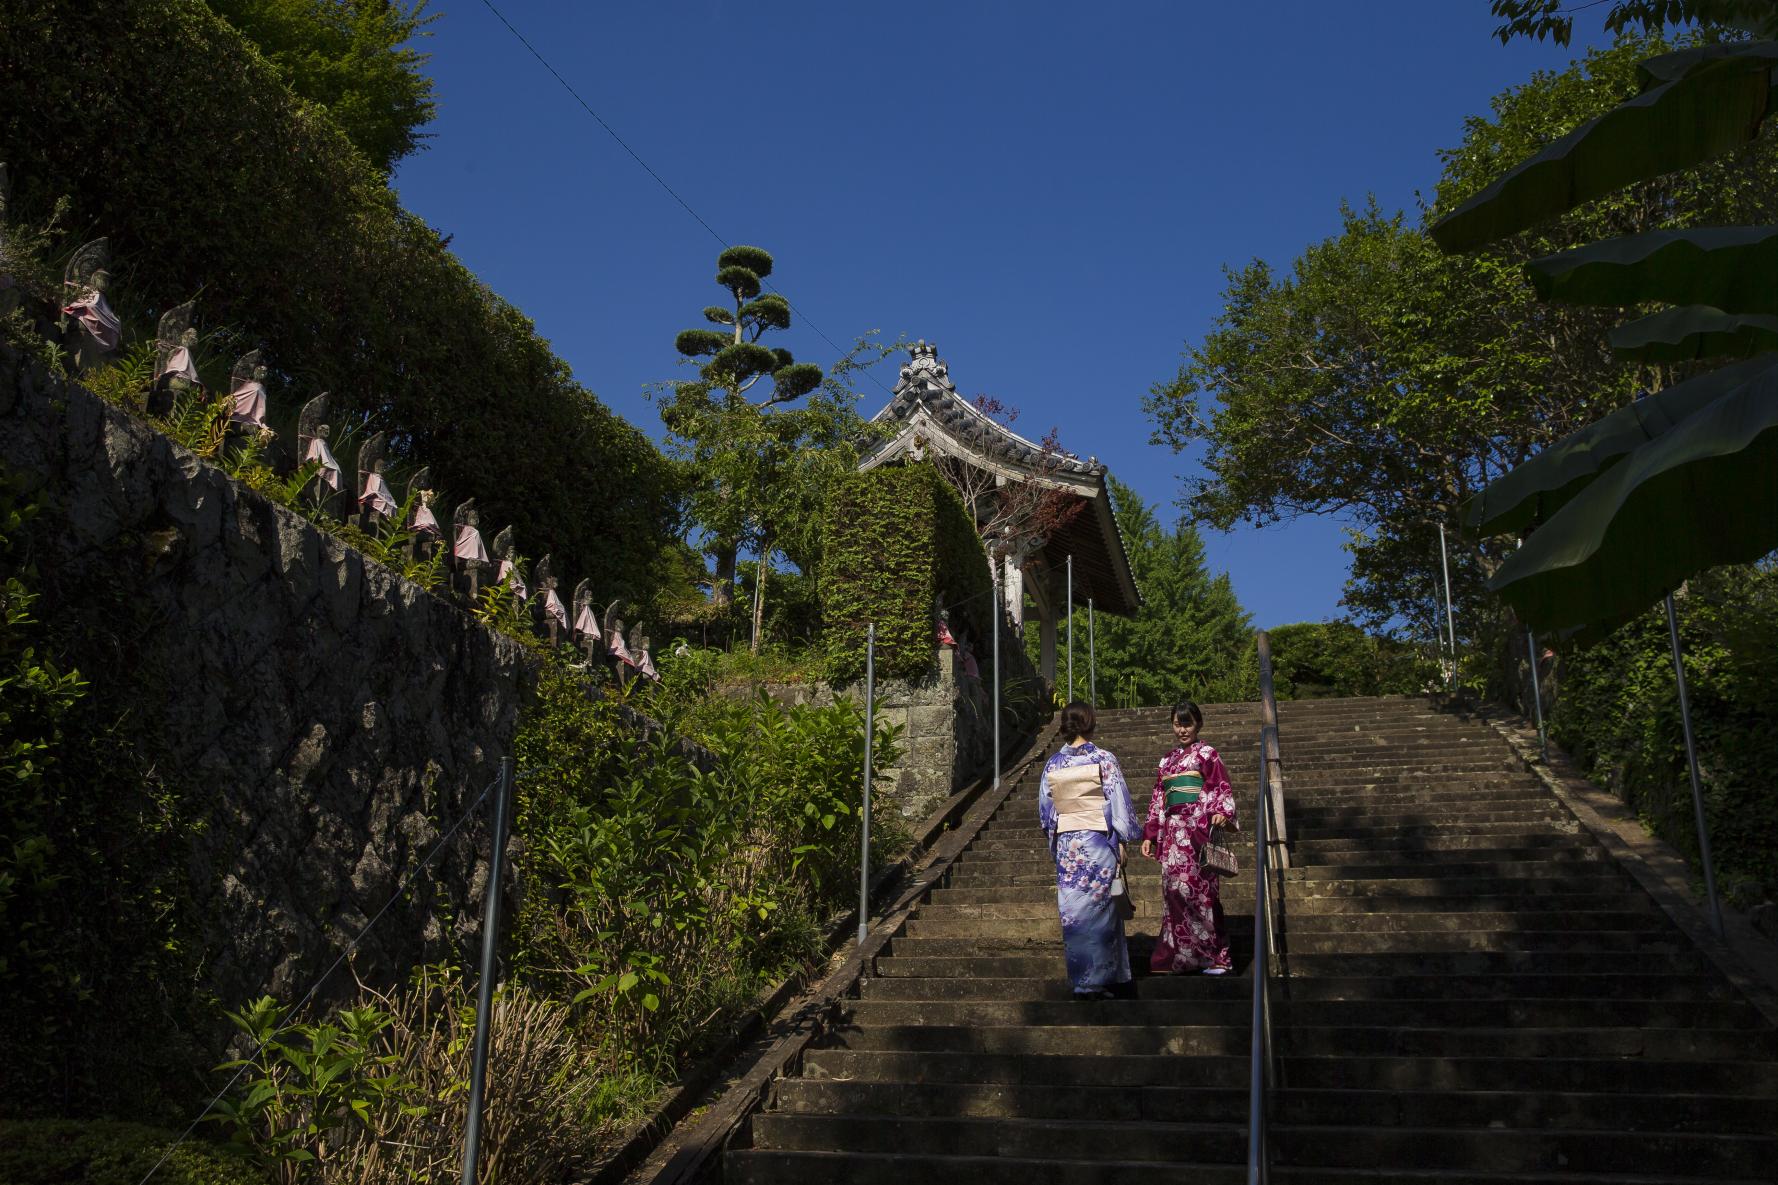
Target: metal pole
1071,627
999,624
484,992
1543,742
1092,658
1691,758
870,708
1450,618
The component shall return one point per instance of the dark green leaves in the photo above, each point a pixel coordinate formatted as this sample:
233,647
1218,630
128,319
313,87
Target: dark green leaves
1693,332
1729,267
699,343
795,380
742,360
717,315
770,311
1714,104
739,280
1535,490
754,259
1699,495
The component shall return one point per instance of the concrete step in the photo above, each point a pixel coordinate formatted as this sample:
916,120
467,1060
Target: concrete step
1428,1014
1404,1075
1639,942
1399,893
1001,1137
1048,1099
1040,902
1597,987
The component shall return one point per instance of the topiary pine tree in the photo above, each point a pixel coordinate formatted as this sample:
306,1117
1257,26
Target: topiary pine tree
740,456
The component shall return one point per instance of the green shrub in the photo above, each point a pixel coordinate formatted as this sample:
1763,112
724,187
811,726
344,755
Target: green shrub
1315,660
68,1152
899,544
1616,711
168,133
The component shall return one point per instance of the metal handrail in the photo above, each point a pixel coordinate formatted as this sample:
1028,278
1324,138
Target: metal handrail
1269,851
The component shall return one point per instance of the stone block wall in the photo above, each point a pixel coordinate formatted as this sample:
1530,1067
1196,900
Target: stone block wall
333,718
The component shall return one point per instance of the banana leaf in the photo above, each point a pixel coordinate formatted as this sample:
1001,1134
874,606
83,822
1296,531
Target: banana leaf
1703,494
1701,104
1535,490
1694,331
1729,267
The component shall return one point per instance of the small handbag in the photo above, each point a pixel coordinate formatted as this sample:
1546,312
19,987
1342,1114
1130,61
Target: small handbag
1217,857
1120,897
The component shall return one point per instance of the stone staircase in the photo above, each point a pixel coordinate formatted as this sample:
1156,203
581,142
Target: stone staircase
1475,993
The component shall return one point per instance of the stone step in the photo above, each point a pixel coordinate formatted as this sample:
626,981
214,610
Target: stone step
1539,926
1046,1140
1186,1040
1048,1099
1530,864
1309,821
1471,838
1400,893
1635,941
1527,922
1406,1075
1597,987
1299,796
1468,821
1038,963
1040,902
1426,1014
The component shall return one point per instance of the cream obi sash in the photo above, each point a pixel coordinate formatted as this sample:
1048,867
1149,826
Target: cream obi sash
1079,797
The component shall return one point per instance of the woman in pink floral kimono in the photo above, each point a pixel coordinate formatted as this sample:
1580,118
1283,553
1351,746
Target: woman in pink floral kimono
1191,795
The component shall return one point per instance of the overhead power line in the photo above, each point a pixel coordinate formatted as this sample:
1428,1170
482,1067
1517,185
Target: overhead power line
659,180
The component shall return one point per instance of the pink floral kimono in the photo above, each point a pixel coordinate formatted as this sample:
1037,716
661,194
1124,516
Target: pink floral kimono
1190,786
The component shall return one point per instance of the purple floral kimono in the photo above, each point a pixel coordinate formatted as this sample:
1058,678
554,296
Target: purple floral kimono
1193,935
1093,943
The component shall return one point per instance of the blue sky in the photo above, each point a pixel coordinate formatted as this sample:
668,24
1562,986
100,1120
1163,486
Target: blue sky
1048,193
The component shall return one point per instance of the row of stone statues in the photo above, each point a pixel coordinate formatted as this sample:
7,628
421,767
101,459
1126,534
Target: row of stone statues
91,333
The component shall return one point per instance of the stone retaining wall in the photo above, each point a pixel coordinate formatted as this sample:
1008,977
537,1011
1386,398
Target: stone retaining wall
333,717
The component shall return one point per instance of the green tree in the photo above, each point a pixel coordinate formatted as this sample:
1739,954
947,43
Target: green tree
1381,380
1555,18
757,468
1189,638
353,57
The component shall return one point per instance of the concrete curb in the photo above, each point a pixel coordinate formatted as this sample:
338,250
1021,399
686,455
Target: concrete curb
1745,956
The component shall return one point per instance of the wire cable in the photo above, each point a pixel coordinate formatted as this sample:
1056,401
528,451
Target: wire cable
661,181
334,966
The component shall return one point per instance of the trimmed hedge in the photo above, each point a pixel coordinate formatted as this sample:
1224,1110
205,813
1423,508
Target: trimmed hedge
898,545
65,1152
174,138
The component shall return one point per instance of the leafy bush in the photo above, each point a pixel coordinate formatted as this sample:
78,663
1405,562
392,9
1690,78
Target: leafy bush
1616,709
664,888
379,1093
899,544
1317,660
68,1152
295,239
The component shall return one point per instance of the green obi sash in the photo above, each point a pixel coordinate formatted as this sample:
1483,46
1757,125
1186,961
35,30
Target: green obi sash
1183,789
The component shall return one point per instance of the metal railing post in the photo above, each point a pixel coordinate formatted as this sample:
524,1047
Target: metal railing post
1071,626
1092,658
1543,742
1450,617
999,624
484,990
870,688
1691,760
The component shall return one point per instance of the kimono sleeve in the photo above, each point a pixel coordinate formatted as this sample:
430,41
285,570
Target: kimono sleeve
1120,816
1046,806
1219,792
1151,828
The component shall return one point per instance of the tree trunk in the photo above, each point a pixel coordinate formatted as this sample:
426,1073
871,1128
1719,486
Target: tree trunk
759,594
722,589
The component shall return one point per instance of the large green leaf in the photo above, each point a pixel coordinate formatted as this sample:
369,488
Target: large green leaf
1695,331
1702,103
1703,494
1729,267
1534,491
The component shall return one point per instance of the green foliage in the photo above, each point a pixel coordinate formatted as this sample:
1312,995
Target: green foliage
1316,660
664,888
1386,382
1555,18
899,545
297,242
352,57
1189,640
93,851
306,1084
1617,712
98,1152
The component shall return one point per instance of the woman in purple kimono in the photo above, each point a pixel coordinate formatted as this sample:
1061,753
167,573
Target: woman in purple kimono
1191,795
1084,807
